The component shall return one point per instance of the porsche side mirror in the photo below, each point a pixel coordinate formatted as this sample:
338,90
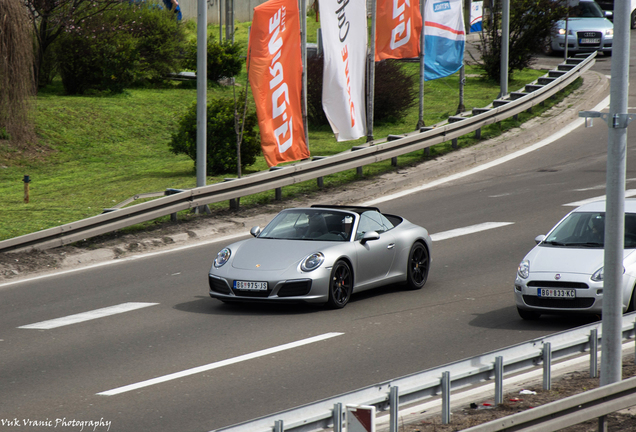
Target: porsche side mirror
371,235
255,231
538,239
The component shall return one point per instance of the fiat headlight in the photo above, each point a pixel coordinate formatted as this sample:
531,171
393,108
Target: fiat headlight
222,257
600,273
312,262
524,269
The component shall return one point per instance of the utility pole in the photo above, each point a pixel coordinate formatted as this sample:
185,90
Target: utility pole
202,96
617,120
505,42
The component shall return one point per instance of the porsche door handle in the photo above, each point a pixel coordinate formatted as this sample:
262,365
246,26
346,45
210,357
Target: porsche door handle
391,246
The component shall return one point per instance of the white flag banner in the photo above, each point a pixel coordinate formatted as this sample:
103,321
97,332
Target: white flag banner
344,35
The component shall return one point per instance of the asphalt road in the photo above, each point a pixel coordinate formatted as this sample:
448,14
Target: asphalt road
78,372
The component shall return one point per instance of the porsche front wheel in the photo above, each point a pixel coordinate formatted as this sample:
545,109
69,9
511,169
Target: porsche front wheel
340,285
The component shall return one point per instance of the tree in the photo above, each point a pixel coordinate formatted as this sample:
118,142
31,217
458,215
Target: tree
16,73
531,22
49,18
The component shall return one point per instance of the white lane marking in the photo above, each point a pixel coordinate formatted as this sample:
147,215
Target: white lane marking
468,230
566,130
628,193
86,316
219,364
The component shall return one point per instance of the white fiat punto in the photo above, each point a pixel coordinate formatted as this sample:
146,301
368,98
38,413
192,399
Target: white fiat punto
563,273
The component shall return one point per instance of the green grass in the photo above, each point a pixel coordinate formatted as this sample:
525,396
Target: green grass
95,152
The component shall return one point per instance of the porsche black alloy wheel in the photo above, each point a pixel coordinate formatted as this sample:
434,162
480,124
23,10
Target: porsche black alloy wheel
340,285
418,266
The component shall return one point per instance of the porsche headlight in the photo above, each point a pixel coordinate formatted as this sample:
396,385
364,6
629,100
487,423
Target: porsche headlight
222,257
312,262
524,269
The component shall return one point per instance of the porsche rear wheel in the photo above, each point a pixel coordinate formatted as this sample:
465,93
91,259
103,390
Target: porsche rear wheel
340,285
418,265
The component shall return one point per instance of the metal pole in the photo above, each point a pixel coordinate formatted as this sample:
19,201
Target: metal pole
446,389
505,38
394,409
547,365
617,122
371,74
499,371
462,72
202,88
303,53
220,21
420,121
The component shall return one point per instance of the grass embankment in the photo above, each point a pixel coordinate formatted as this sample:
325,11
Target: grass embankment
94,152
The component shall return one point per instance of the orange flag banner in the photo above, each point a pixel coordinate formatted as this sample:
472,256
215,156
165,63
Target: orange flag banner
275,74
398,27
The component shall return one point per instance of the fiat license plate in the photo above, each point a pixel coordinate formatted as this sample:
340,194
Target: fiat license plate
556,293
250,286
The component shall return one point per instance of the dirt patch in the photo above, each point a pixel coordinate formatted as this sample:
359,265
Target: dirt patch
567,385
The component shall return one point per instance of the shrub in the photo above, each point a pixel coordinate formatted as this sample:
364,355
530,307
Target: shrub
221,136
394,92
110,51
224,59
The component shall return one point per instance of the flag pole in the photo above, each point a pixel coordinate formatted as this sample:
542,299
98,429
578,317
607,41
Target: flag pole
303,53
420,122
371,74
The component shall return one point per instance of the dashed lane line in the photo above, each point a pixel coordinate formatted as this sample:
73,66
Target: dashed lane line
217,365
87,316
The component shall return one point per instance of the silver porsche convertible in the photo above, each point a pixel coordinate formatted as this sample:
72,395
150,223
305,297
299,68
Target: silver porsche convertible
322,254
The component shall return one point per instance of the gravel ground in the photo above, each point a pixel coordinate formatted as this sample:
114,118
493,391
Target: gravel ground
570,384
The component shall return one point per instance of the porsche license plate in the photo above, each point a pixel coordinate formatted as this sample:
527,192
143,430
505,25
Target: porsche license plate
589,41
556,293
250,286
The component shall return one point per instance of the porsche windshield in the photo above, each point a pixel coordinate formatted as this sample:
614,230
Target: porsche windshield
587,230
310,224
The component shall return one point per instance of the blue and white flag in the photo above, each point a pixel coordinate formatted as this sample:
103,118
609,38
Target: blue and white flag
444,38
476,13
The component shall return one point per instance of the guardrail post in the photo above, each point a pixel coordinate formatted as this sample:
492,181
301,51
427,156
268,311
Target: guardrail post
446,412
394,409
234,202
594,353
359,171
499,380
547,363
337,417
278,426
168,192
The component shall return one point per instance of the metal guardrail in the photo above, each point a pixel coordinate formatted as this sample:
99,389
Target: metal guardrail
389,395
317,168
